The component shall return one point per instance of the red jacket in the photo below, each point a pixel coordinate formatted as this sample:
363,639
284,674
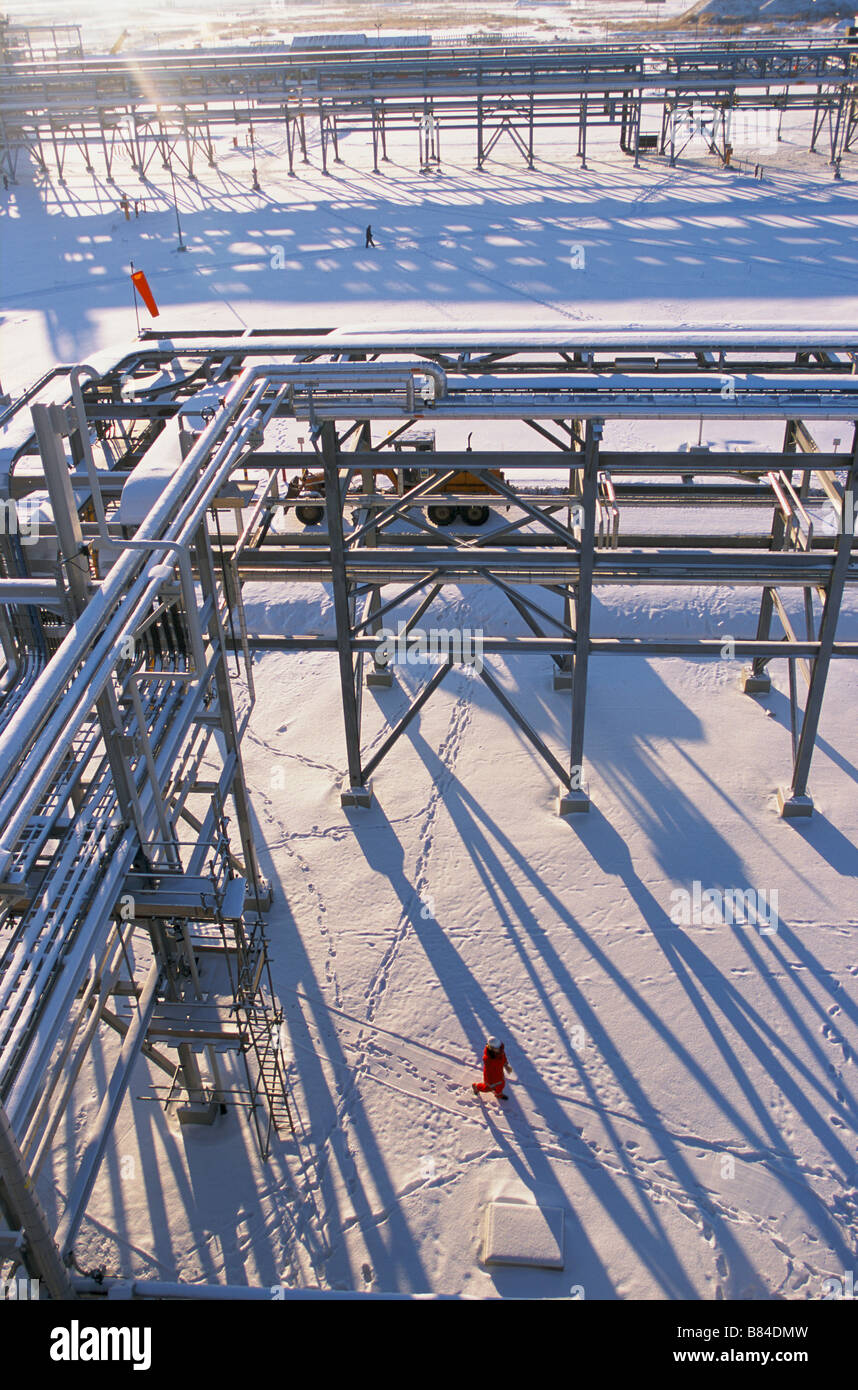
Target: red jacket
493,1067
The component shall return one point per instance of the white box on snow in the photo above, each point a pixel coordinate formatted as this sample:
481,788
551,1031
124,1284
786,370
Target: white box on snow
519,1234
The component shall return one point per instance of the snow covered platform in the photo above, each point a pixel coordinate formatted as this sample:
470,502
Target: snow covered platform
519,1234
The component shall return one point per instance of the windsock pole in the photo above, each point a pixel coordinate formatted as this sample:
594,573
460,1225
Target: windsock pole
134,297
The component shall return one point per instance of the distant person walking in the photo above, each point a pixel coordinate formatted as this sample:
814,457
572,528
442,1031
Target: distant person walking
369,241
494,1066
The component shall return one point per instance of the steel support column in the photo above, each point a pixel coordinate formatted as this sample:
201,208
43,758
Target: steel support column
795,800
577,797
356,792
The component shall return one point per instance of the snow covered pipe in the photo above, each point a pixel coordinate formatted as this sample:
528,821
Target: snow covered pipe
48,705
43,592
34,711
77,955
342,375
507,337
36,774
32,778
104,537
36,708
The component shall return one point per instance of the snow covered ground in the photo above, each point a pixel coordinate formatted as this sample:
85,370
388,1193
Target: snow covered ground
687,1095
152,24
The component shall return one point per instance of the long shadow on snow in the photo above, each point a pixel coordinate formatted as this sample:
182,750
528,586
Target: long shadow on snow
649,1240
396,1261
687,960
472,1006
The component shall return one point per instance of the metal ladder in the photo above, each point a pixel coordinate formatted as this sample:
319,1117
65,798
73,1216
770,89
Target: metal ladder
257,1016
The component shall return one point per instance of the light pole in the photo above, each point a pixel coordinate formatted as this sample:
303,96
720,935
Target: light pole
181,246
255,184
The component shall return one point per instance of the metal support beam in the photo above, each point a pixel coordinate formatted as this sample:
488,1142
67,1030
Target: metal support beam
99,1132
577,797
21,1207
342,613
795,801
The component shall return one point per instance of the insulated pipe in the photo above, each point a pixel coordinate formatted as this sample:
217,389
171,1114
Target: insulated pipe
89,626
86,442
104,537
29,784
365,376
43,592
75,959
163,572
341,375
504,338
47,693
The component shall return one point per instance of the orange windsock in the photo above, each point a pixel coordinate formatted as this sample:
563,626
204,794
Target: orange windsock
141,284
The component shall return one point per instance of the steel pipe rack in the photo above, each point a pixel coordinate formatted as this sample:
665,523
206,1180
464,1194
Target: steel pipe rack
157,105
99,762
116,690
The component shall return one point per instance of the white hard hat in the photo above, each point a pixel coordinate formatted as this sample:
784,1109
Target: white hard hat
493,1044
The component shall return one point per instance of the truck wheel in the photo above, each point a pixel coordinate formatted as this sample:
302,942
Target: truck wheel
442,516
475,516
309,516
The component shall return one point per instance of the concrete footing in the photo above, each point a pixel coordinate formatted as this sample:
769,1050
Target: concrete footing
574,801
380,678
198,1113
755,683
791,807
262,902
356,796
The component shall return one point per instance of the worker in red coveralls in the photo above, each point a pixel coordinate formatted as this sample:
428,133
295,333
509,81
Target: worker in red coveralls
494,1066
